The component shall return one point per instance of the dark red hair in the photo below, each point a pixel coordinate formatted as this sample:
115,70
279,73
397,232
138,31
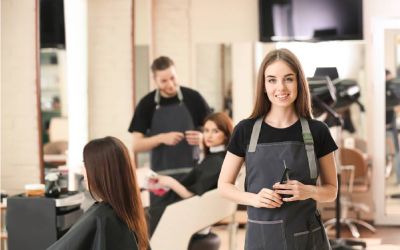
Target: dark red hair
223,123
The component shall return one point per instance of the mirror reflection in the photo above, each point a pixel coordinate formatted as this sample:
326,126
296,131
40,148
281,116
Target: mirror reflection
53,89
53,102
392,121
142,87
214,75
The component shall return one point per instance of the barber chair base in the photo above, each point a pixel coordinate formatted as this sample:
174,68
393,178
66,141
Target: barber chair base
351,224
347,244
209,241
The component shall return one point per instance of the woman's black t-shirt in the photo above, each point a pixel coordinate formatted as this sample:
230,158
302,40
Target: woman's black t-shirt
323,141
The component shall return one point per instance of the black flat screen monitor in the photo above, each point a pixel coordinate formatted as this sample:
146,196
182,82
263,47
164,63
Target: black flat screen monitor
310,20
52,27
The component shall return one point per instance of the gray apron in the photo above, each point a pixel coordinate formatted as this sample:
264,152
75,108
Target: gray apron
297,224
178,159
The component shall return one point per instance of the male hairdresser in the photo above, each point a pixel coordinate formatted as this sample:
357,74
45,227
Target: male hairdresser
167,122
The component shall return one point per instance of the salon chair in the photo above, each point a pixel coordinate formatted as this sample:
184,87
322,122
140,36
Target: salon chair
360,144
183,219
356,177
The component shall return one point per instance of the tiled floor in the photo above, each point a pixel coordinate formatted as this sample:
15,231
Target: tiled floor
386,238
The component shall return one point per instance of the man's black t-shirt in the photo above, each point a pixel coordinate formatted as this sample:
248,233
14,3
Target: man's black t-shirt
323,141
144,111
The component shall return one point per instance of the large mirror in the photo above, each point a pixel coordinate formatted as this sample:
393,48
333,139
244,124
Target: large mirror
53,104
53,87
384,136
392,120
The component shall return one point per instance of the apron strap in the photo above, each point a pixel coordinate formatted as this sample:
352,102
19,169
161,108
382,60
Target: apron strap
157,96
254,134
309,145
307,137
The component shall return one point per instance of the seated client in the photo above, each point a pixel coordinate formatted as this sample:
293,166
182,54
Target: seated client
204,176
116,220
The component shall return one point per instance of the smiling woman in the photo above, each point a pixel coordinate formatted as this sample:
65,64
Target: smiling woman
280,84
281,136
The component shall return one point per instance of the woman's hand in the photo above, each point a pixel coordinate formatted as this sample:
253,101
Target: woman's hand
296,189
165,180
266,198
174,185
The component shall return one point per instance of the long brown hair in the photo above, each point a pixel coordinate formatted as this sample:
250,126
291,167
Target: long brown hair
302,103
111,178
224,123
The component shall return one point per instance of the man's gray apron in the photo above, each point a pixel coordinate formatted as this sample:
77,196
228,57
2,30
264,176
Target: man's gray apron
174,160
295,225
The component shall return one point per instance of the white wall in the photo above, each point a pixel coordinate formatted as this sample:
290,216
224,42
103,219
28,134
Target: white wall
180,25
142,19
110,68
243,80
224,21
19,126
172,35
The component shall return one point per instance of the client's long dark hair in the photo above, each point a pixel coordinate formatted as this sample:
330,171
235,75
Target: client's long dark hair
111,178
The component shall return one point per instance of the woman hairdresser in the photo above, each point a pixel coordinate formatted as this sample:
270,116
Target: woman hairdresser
284,151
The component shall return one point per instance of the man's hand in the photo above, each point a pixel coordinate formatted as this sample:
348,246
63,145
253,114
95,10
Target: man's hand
171,138
193,137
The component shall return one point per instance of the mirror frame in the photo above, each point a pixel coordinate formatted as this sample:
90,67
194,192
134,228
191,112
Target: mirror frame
38,93
379,26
